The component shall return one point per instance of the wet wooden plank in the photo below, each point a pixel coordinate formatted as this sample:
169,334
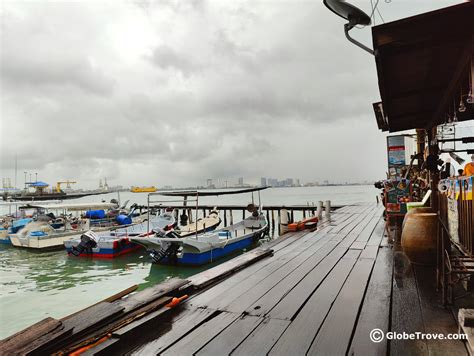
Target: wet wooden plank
378,233
231,337
226,292
291,302
24,338
292,292
406,316
369,252
76,327
358,245
199,337
168,332
368,230
375,312
267,294
261,339
314,253
225,269
148,295
366,224
298,336
342,316
436,318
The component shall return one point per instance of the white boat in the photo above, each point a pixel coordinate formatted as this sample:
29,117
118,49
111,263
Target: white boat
40,234
15,219
116,243
169,247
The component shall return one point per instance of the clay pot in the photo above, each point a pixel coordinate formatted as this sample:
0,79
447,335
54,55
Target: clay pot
419,237
419,210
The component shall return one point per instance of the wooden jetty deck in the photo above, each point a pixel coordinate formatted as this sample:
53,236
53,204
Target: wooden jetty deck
320,292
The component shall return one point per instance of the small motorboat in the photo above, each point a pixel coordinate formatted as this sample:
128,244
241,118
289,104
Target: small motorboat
168,247
47,232
118,242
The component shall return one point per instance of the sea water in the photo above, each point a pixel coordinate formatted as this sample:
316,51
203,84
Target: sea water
35,285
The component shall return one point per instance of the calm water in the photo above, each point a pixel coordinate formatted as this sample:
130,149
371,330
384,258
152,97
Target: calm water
36,285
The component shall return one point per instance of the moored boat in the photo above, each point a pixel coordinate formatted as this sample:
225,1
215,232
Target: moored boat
46,232
118,242
150,189
115,243
170,248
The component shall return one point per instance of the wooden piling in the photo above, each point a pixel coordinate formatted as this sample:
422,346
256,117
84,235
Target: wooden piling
279,223
190,216
273,221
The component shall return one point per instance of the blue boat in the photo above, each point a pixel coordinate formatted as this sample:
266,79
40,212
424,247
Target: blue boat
170,248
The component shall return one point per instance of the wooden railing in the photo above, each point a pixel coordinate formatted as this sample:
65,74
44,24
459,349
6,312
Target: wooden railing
455,236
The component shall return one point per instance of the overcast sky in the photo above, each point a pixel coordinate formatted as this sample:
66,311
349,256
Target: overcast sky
174,92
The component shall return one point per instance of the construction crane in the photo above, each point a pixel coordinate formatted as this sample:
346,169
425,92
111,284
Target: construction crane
68,182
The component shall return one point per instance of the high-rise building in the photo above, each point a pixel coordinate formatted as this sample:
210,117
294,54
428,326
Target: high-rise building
263,182
209,182
241,181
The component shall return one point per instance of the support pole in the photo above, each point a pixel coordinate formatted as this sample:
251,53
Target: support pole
328,210
319,212
273,220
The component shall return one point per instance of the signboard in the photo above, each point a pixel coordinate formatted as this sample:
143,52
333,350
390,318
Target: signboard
397,194
396,151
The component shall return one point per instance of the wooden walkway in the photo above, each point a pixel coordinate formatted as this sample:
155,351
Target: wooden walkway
320,293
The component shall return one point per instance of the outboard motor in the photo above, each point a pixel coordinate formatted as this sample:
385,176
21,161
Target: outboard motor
167,249
183,219
88,242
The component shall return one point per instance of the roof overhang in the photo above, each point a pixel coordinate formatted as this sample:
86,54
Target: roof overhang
424,65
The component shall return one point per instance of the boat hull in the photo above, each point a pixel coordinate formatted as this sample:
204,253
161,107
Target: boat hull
43,243
109,249
4,237
197,259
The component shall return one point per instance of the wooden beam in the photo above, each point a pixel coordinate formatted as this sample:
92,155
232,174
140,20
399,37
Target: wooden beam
463,65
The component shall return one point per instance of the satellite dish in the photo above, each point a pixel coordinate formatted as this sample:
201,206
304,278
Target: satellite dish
353,14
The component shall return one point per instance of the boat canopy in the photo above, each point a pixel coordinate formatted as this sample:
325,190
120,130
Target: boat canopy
38,184
72,207
213,192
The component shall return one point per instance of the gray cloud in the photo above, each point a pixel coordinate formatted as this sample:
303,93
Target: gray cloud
176,92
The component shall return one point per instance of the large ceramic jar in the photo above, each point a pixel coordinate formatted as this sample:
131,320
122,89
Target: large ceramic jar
423,209
419,237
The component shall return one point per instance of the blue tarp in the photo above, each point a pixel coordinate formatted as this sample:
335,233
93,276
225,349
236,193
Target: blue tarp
95,214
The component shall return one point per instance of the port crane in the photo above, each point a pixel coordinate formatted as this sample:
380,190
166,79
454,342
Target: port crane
68,182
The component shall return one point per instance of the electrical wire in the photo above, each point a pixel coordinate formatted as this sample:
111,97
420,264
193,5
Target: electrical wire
380,15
